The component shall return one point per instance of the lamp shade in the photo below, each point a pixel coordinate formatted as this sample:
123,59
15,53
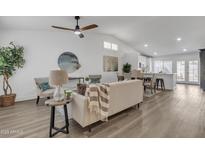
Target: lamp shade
58,77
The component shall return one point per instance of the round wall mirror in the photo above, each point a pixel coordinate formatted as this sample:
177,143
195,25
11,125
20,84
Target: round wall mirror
69,62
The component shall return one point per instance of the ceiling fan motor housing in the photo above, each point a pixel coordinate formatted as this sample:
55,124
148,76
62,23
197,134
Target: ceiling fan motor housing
77,27
77,17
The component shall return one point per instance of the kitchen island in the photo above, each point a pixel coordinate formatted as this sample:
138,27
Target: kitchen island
169,79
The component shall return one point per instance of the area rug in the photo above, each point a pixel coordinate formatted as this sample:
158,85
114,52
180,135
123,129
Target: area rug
148,93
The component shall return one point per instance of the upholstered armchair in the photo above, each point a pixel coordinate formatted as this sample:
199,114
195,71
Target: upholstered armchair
120,76
137,74
134,74
43,93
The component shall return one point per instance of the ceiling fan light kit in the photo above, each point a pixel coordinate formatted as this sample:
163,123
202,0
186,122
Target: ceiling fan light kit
78,31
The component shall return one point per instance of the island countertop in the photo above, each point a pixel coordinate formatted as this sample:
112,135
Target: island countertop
169,79
160,73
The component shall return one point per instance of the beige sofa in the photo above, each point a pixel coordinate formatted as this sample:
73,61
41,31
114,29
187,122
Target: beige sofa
123,95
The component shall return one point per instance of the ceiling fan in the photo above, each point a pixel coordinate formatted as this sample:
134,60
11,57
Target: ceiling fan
78,30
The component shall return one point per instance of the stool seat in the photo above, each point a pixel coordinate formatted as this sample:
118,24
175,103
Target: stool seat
52,102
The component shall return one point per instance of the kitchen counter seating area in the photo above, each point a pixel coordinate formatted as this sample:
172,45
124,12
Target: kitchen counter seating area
164,81
168,78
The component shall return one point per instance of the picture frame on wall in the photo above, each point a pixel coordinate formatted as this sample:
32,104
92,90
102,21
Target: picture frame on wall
110,64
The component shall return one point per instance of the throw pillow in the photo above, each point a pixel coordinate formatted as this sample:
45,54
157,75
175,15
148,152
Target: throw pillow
44,86
81,88
95,80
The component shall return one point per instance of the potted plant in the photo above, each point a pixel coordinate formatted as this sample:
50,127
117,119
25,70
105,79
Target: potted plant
68,94
87,80
11,58
126,70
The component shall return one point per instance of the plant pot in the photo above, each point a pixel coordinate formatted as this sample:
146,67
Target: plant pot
7,100
127,76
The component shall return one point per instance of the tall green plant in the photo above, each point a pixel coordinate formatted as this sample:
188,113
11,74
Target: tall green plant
126,68
11,58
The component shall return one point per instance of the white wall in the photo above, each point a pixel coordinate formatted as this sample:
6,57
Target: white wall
174,58
42,49
131,58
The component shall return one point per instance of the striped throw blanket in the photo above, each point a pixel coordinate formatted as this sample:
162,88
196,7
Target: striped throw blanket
104,101
98,100
92,93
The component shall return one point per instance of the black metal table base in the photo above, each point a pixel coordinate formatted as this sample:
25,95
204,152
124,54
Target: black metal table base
64,129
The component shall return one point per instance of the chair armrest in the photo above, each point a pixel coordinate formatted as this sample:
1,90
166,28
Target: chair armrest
79,108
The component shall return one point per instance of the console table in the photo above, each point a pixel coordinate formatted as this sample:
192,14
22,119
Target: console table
77,78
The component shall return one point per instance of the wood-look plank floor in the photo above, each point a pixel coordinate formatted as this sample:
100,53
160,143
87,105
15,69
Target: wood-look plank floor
178,113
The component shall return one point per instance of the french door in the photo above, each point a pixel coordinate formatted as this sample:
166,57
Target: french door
194,71
181,71
188,71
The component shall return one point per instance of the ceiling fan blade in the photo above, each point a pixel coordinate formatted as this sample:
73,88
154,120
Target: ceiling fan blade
89,27
63,28
81,35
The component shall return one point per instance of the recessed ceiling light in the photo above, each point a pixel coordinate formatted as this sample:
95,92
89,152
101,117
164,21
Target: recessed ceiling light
155,53
145,45
184,50
179,39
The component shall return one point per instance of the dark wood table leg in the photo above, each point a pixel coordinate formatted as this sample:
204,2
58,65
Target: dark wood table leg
64,129
52,120
37,100
66,118
163,85
157,84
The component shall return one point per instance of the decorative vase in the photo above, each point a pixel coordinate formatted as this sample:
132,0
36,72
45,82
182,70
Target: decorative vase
127,76
58,94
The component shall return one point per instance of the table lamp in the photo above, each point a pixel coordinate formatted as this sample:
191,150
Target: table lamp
58,78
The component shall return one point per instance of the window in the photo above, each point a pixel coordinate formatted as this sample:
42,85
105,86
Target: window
180,70
194,71
114,47
142,62
167,66
107,45
158,66
111,46
150,65
163,66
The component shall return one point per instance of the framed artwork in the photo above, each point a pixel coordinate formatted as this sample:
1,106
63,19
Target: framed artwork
68,61
110,64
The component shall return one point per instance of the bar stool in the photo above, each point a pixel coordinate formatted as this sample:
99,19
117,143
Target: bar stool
161,82
52,103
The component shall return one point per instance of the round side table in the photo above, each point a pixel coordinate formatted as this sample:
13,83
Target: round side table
52,103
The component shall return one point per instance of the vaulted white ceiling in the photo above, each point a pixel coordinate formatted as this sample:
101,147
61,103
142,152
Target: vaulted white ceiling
160,33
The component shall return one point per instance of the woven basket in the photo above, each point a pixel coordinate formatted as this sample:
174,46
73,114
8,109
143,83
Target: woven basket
7,100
